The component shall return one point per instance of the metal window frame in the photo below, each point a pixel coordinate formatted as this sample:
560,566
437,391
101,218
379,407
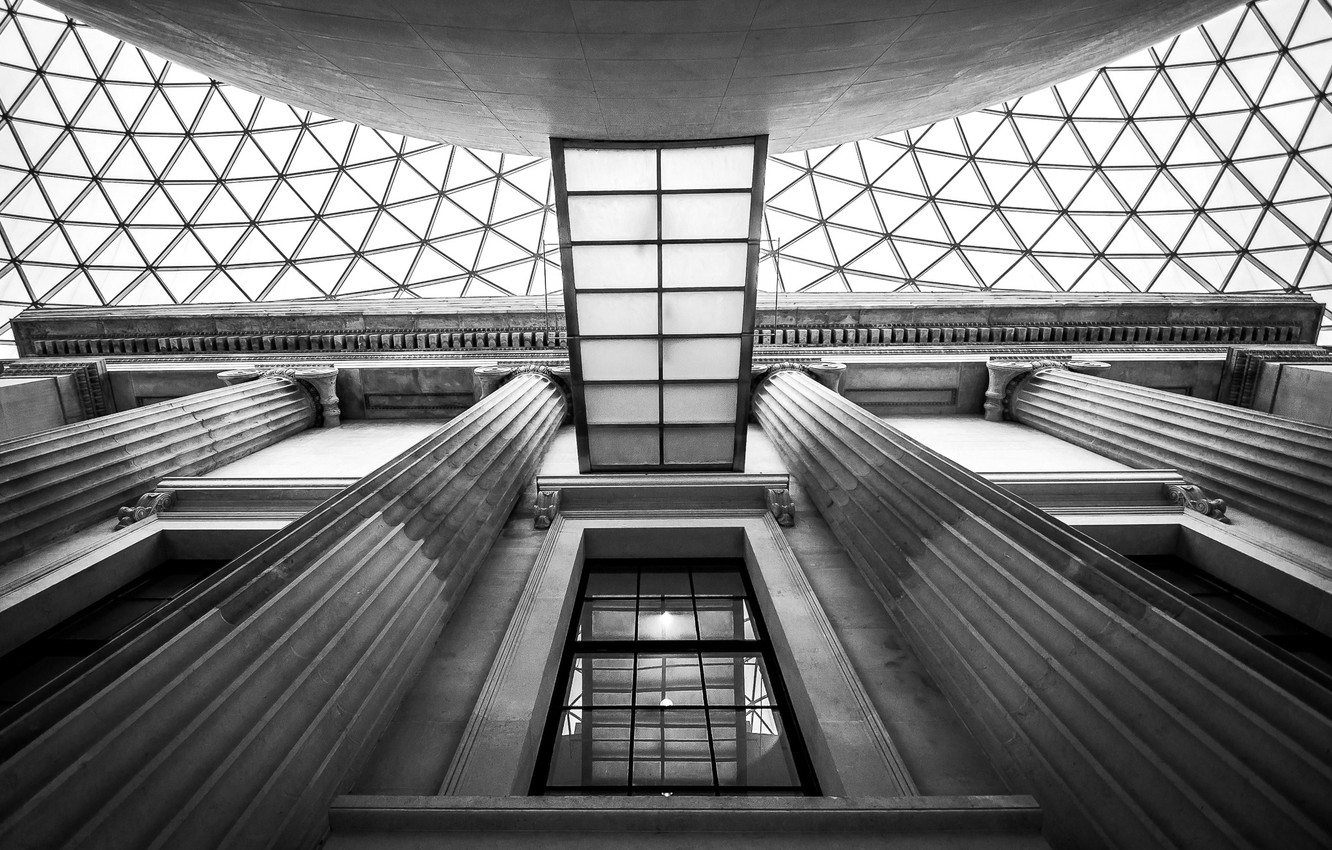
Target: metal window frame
761,647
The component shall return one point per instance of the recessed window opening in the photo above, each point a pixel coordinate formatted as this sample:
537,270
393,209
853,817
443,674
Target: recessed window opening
27,668
668,685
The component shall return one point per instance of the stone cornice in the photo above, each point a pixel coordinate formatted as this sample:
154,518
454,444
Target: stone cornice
489,324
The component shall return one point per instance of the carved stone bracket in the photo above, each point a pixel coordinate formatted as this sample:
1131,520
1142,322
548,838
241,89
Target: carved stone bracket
321,382
547,506
148,504
1192,498
781,506
1005,375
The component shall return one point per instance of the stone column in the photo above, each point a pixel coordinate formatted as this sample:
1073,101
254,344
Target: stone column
64,479
1136,721
1275,468
235,720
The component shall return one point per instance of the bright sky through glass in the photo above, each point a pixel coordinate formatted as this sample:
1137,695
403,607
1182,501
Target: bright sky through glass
1201,165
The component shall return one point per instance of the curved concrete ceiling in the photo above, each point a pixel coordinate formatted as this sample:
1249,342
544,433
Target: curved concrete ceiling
507,74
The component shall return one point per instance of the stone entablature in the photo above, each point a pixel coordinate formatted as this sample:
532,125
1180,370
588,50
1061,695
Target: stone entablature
796,320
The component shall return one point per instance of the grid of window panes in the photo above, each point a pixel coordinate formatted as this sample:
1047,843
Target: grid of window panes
658,247
1201,165
668,687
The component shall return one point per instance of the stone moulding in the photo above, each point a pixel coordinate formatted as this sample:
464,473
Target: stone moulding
88,377
791,335
1245,365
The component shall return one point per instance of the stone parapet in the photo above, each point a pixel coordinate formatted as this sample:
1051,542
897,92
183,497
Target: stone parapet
68,478
235,719
1275,468
1134,719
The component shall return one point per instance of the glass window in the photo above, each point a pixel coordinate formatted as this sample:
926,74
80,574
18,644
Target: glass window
668,686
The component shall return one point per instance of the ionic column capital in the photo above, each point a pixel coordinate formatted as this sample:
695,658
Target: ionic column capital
1006,375
321,381
826,372
487,379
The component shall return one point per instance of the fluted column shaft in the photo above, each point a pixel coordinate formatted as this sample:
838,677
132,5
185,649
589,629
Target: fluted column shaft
1277,469
238,729
68,478
1136,722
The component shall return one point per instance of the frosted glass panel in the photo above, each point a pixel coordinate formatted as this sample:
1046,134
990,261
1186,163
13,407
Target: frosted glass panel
615,266
703,265
699,403
623,446
702,312
723,216
627,314
699,445
622,404
620,359
730,167
686,359
587,170
613,217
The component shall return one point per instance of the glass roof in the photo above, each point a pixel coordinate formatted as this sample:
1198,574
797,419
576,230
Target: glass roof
1201,165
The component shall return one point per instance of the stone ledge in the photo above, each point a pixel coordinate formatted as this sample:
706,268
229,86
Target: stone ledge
989,815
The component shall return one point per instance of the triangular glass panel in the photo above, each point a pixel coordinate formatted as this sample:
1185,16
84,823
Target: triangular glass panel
1025,275
990,266
1263,173
1190,81
1037,132
991,233
833,194
1098,136
903,177
1177,278
943,136
917,257
286,236
1040,102
1309,216
924,225
1003,145
1029,226
1061,238
1128,151
1159,101
1190,47
1286,263
1237,224
1065,150
1258,141
1251,38
1203,238
1315,61
1096,196
1286,85
1272,232
812,248
1161,134
1169,228
1222,96
952,271
1139,273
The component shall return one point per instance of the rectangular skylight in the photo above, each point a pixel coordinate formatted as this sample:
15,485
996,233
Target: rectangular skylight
659,251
